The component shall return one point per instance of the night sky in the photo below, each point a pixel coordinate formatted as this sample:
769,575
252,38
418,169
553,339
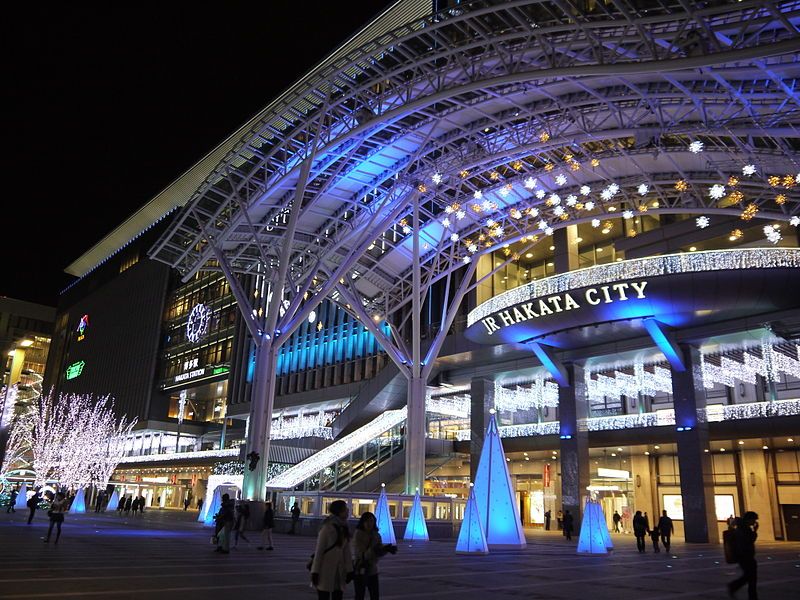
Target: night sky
105,107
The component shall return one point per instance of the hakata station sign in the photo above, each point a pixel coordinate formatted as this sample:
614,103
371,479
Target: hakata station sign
619,292
678,290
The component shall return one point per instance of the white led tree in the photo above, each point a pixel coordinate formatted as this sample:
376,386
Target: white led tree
17,446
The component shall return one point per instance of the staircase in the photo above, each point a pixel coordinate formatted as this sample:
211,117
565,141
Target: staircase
343,448
386,391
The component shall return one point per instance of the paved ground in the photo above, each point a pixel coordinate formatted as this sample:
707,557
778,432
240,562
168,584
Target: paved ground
167,555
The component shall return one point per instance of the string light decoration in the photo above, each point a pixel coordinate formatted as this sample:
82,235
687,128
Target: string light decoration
234,467
76,439
453,406
696,147
749,212
653,266
300,426
772,234
702,222
17,447
538,394
180,456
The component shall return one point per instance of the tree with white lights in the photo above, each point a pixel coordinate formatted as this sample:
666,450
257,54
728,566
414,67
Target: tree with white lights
76,440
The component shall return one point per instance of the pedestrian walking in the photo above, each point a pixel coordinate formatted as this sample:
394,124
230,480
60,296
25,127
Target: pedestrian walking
332,563
121,505
568,524
295,517
368,548
640,530
269,525
745,544
56,514
559,519
654,533
128,505
186,502
616,518
242,519
547,520
666,528
98,502
224,521
141,505
200,505
135,505
12,501
33,504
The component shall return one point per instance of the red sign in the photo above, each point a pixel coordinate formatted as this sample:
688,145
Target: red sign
546,476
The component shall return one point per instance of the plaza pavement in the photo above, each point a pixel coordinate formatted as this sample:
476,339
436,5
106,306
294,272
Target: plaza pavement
167,555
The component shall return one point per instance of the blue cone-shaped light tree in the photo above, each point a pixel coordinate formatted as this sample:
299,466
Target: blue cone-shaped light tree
22,498
471,538
496,500
213,507
384,518
113,501
416,528
594,537
78,504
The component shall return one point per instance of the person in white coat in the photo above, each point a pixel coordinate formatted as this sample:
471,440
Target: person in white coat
332,565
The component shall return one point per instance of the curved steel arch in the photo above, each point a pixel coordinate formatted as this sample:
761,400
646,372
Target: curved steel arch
331,171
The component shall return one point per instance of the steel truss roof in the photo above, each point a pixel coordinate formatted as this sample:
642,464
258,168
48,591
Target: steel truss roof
488,96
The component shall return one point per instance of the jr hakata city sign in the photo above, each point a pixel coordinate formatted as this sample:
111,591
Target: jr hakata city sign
609,302
605,294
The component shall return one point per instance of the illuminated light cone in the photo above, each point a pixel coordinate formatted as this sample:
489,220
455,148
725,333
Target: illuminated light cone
384,519
416,528
113,501
22,498
78,504
213,507
495,497
594,537
471,539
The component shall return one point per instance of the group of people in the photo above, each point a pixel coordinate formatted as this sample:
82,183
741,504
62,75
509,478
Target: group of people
339,558
131,503
662,531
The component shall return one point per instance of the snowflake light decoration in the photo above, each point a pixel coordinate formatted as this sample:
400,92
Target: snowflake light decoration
472,248
554,200
702,222
460,214
772,234
446,222
614,188
589,205
487,205
548,231
606,194
595,222
749,170
529,183
716,191
628,214
436,178
572,200
477,194
504,191
406,229
643,189
542,224
534,212
453,237
540,194
696,147
794,221
561,179
585,190
558,211
466,259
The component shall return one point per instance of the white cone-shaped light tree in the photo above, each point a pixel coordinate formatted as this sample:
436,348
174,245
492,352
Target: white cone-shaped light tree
471,538
113,501
384,518
22,497
416,528
79,503
213,507
495,497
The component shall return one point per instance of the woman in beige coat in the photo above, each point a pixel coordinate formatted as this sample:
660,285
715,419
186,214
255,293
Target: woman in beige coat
332,566
368,547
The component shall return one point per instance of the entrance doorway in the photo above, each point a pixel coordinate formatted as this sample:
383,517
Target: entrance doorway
791,516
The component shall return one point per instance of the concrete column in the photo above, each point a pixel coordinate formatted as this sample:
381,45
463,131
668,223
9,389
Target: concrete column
755,485
696,474
565,255
574,447
481,401
415,436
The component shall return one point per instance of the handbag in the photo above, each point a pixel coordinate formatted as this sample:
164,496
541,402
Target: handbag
214,540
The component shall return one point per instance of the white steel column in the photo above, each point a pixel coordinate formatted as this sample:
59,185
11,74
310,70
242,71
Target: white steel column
415,425
262,399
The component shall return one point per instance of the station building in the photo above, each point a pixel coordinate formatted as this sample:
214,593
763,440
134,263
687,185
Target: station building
599,249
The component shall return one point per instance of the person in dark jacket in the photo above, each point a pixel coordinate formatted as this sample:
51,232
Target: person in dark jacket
666,528
295,517
640,529
224,521
746,535
33,504
242,519
654,533
12,500
128,504
121,505
269,525
616,518
547,520
569,524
